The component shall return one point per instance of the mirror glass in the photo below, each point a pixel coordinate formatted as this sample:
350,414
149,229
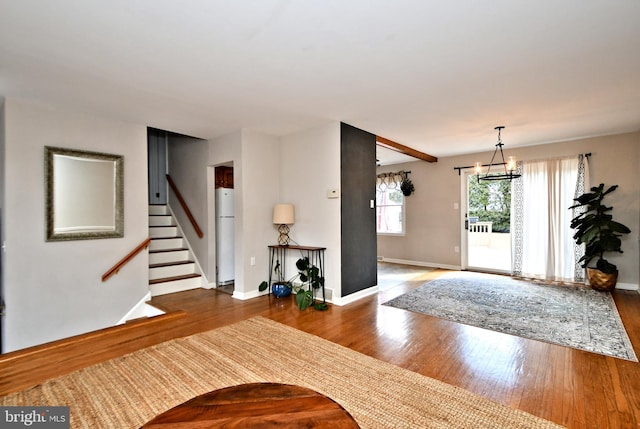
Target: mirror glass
84,194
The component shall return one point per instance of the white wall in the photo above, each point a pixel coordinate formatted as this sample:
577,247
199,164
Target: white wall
188,169
310,167
54,290
259,181
2,204
434,226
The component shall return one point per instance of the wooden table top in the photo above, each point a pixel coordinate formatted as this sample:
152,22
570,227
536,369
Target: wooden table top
257,405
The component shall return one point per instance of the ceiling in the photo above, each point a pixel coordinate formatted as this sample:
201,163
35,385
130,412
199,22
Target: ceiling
436,76
385,156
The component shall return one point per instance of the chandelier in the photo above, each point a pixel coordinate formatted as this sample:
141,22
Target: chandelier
509,165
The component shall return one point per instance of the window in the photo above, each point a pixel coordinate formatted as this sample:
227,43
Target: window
389,206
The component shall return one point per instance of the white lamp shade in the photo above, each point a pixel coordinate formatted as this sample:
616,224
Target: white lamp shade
283,214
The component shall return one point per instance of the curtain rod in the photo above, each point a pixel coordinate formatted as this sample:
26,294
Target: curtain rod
394,173
500,163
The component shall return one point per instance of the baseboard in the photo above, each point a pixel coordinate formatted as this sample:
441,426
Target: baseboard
247,295
619,285
419,263
141,309
627,286
255,294
355,296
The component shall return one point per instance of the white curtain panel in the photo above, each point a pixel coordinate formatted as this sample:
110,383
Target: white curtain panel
543,246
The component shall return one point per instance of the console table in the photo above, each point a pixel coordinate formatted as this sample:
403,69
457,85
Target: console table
278,252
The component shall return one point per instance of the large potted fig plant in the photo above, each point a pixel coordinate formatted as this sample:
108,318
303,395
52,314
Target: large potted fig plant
594,226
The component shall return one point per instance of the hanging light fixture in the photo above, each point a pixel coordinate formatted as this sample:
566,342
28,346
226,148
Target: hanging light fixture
509,165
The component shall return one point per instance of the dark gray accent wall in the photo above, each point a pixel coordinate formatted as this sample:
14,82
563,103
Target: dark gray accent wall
357,181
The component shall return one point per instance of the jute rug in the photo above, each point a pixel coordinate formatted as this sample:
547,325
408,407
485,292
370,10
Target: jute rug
576,317
127,392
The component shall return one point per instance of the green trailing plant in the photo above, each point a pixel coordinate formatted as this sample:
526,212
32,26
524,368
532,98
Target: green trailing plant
407,187
310,279
596,228
279,279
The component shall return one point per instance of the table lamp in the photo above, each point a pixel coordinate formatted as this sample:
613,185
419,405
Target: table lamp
283,216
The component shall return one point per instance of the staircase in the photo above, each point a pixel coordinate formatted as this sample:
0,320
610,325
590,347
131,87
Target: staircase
171,264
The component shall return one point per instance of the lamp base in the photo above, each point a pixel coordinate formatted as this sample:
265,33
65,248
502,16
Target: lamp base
283,239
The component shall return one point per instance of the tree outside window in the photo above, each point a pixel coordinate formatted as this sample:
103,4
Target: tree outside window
490,202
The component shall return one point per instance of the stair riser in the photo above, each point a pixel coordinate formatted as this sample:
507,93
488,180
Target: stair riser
175,286
171,271
173,243
162,227
161,221
163,231
159,210
165,257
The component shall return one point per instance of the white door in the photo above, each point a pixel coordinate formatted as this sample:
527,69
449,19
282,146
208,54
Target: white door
486,226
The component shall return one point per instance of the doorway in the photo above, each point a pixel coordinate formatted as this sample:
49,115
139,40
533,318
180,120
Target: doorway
157,165
487,224
224,227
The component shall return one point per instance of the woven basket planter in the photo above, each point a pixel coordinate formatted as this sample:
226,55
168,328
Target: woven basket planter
602,281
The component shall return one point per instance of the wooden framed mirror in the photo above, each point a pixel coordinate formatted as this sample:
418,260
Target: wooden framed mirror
84,194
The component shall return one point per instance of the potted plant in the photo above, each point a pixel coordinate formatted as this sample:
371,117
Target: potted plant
596,228
279,287
406,186
310,279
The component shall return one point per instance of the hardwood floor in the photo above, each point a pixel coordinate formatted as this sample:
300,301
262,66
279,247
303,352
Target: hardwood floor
571,387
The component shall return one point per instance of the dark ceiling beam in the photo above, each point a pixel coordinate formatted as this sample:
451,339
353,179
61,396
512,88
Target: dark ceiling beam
390,144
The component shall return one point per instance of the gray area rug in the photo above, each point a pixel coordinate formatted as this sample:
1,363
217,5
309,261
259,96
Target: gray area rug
576,317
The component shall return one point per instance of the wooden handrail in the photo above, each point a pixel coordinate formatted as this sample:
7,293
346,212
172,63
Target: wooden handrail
184,207
123,261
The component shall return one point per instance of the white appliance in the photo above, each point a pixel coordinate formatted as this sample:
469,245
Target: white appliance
224,236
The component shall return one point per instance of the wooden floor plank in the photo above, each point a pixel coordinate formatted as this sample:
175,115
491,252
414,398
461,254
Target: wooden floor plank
571,387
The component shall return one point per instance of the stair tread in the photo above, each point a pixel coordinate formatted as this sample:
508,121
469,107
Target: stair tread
168,236
170,279
169,264
175,249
